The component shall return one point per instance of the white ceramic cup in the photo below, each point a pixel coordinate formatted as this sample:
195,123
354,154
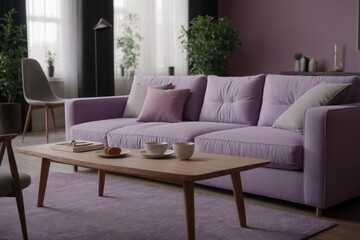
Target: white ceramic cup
156,148
184,150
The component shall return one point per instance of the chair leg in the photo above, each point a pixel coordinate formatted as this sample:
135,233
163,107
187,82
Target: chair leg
16,187
27,122
46,124
21,210
53,117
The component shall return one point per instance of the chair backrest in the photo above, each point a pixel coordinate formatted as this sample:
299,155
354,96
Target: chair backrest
35,84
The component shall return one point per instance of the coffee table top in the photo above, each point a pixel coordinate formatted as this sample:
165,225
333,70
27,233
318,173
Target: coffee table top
201,166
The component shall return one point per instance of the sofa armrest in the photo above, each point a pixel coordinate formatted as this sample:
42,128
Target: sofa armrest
81,110
331,154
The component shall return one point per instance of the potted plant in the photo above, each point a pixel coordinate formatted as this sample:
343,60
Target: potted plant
129,44
50,60
209,44
12,50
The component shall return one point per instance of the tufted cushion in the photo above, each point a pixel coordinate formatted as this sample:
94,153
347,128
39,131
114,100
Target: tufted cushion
196,84
233,99
281,91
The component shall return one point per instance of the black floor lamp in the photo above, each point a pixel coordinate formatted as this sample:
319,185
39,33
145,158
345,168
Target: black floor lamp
102,24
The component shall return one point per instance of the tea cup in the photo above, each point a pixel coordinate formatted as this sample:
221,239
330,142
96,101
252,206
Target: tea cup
183,150
156,148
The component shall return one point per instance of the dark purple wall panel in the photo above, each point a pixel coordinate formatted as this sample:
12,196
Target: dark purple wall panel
271,31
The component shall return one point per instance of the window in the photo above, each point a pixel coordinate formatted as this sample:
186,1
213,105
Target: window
159,24
44,26
49,28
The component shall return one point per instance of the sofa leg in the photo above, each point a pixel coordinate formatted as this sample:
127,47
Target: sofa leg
75,168
319,212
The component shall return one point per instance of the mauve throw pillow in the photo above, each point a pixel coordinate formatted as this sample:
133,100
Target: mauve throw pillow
322,94
137,97
163,105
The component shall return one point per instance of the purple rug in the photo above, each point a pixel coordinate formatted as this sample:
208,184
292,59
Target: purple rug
136,211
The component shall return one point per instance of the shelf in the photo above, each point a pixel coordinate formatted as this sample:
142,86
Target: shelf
321,73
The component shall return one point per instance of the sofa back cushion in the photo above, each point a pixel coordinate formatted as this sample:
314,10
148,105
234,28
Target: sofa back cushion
281,91
196,84
233,99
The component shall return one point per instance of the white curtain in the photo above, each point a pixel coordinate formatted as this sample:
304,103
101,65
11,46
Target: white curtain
159,24
52,25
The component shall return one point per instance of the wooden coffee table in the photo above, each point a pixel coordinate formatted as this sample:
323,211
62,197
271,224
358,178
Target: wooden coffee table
201,166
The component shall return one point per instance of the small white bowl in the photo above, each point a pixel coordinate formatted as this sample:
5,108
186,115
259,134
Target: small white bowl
156,148
184,150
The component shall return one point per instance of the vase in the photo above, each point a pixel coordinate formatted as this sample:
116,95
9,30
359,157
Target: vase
313,65
304,61
297,66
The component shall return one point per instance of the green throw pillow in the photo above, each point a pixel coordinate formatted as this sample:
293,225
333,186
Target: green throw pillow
322,94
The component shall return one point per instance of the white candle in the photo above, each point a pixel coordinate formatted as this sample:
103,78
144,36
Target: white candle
335,48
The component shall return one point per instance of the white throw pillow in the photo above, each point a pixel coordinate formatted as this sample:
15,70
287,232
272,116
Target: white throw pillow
322,94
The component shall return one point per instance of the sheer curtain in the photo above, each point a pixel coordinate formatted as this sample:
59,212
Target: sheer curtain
52,25
159,24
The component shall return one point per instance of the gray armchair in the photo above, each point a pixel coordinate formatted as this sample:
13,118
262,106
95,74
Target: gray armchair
11,181
38,93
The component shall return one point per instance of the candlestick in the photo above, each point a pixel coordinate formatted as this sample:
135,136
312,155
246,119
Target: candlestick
335,58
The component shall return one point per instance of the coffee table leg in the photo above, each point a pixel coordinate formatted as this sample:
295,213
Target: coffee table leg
189,209
101,175
239,197
44,173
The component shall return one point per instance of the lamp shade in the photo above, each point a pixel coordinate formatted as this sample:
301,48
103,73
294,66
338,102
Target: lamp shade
102,23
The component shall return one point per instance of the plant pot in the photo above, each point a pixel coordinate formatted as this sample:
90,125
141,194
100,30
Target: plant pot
51,71
171,70
10,118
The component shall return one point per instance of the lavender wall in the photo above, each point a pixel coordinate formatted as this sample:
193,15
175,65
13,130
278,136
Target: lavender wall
271,31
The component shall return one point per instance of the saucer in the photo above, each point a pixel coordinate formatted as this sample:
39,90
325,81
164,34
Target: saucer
101,153
167,154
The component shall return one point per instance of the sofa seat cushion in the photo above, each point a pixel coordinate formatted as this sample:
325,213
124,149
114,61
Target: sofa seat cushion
98,130
281,91
233,99
283,148
135,136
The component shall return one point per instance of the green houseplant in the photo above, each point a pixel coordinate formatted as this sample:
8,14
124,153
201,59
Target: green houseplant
129,44
209,44
12,50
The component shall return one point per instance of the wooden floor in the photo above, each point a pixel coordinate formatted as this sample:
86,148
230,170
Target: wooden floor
346,215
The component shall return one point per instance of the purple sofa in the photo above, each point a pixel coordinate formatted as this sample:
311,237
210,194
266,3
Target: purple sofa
234,116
